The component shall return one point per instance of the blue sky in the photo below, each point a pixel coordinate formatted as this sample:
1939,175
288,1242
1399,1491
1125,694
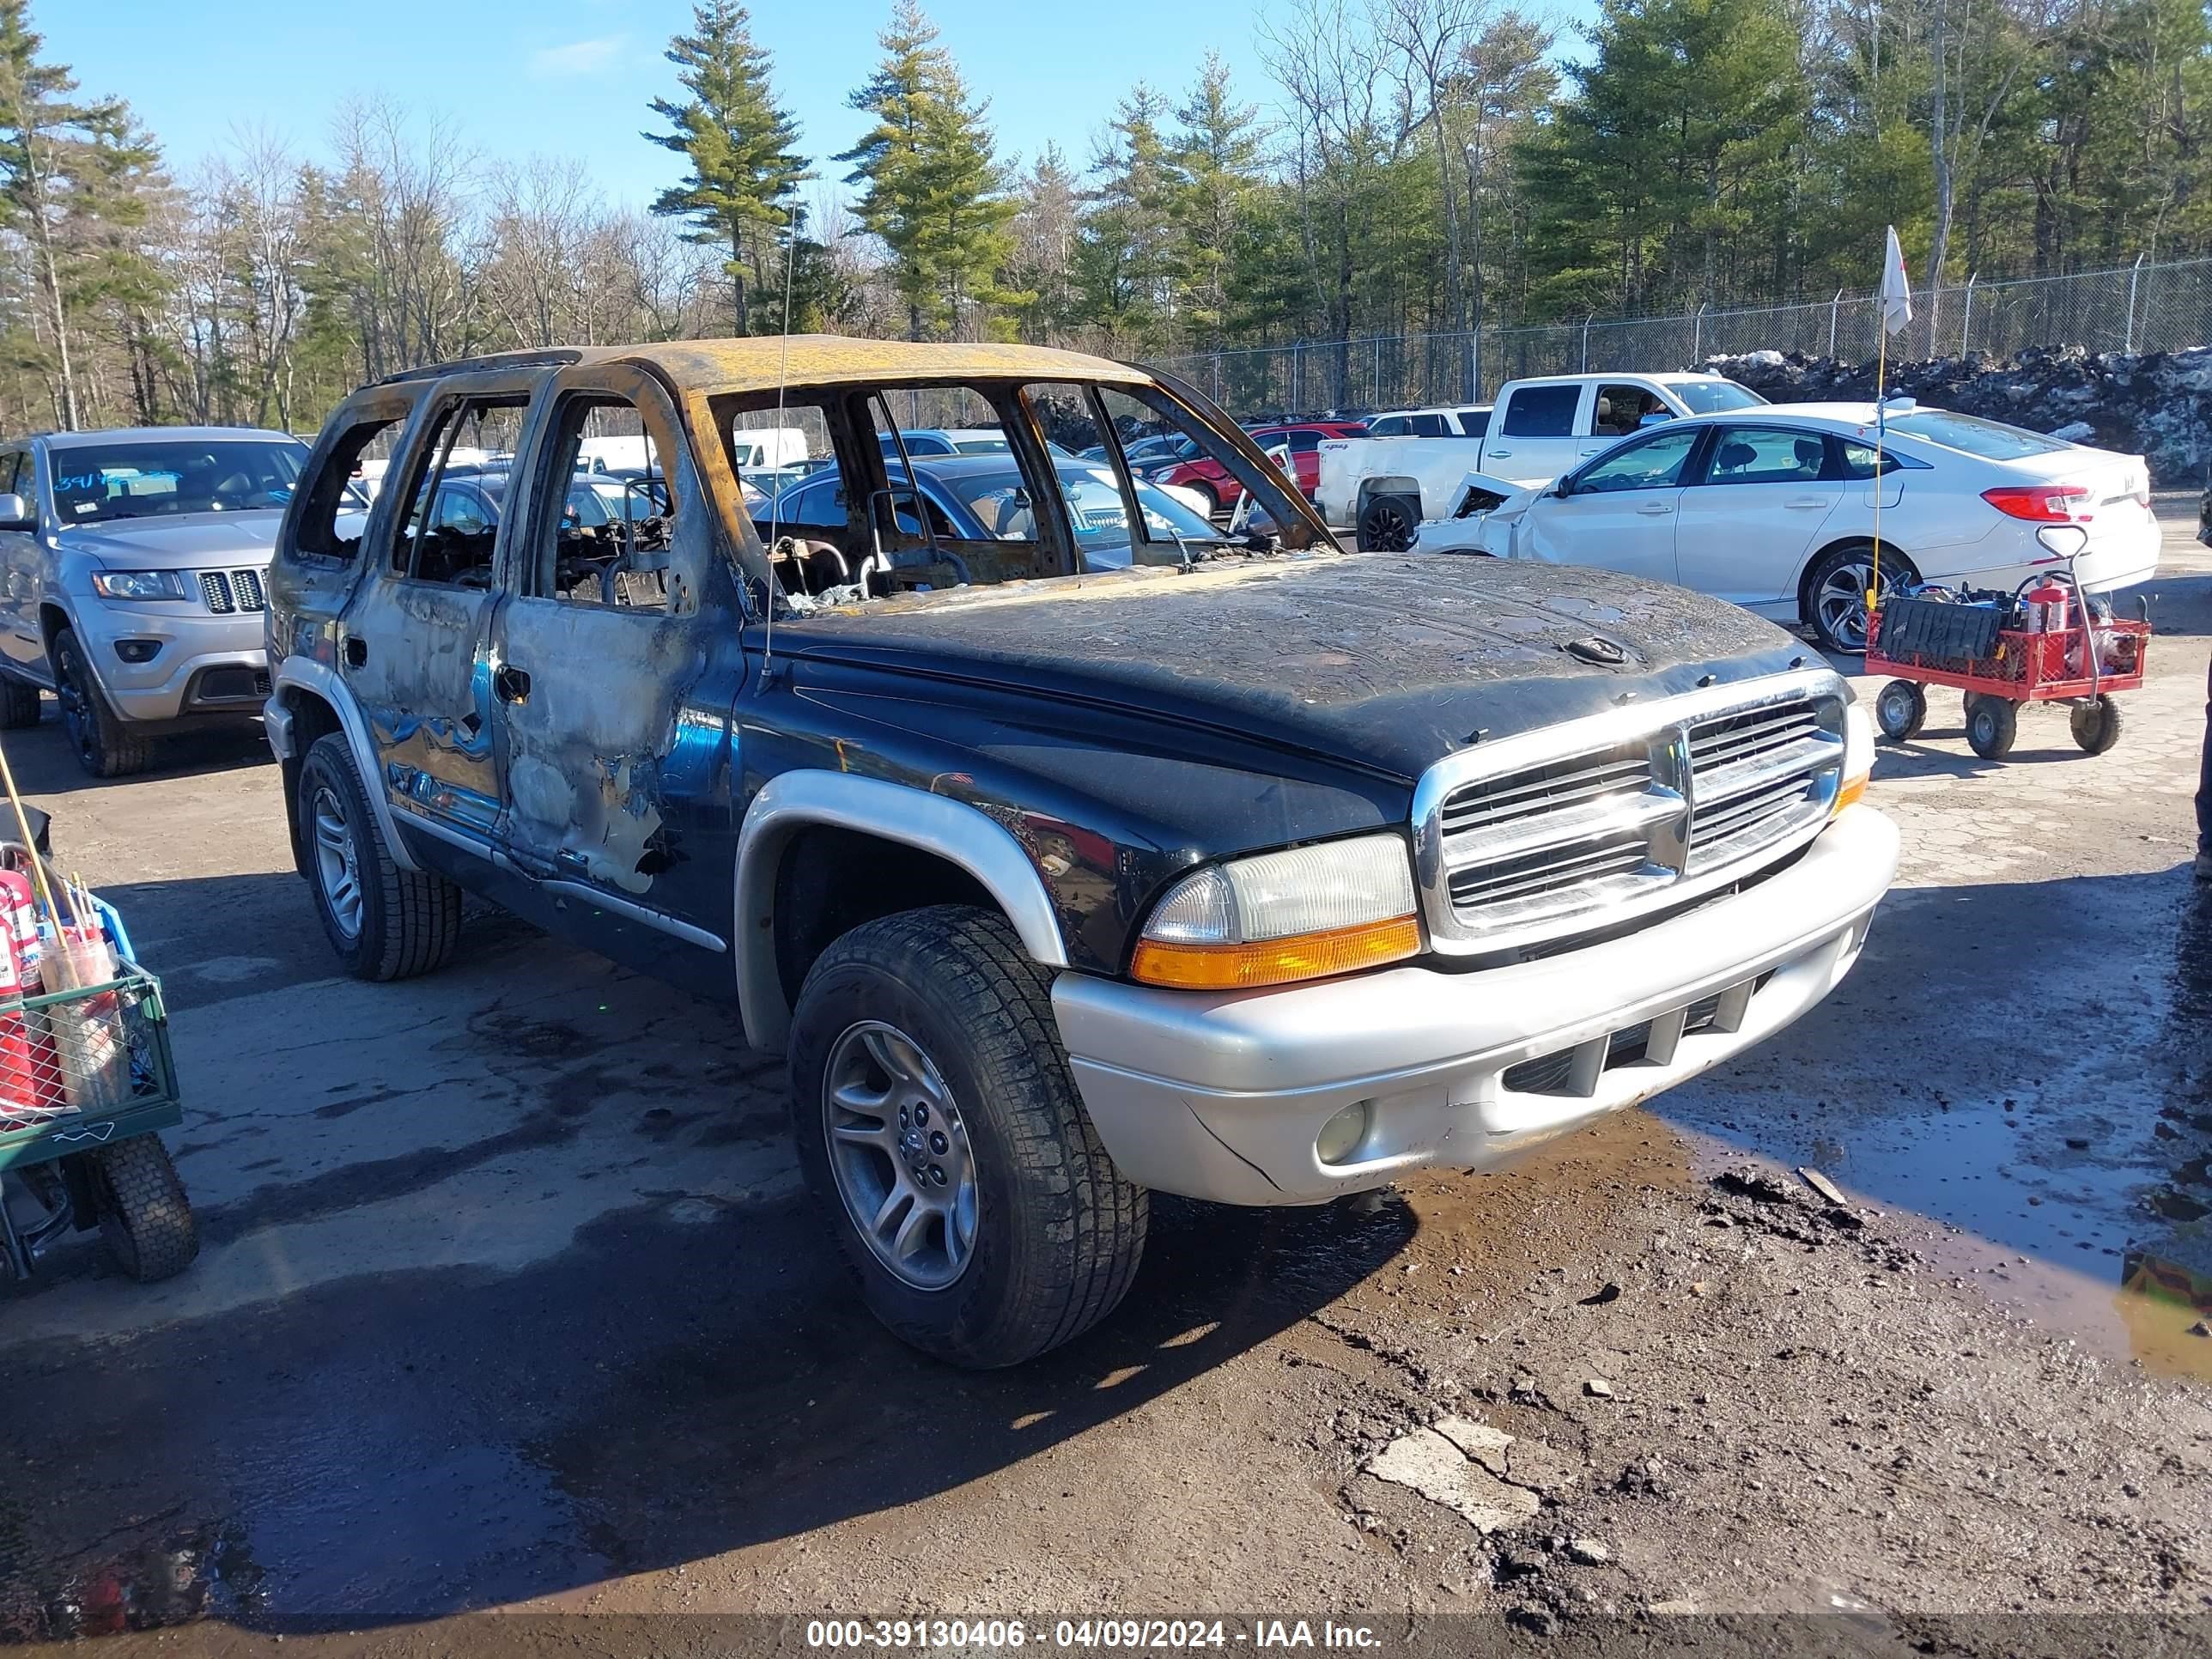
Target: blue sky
573,77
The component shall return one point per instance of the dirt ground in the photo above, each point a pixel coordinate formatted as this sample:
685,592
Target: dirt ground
513,1326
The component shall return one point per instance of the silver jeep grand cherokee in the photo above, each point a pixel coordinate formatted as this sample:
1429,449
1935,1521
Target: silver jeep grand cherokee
130,581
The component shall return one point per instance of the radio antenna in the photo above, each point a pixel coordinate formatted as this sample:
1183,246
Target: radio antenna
776,501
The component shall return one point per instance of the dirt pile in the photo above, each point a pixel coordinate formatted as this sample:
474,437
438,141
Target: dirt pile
2153,404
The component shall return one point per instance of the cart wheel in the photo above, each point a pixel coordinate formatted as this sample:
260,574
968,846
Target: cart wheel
1992,725
145,1219
1901,709
2096,724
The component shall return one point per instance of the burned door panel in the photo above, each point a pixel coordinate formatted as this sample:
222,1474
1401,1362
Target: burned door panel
615,663
413,646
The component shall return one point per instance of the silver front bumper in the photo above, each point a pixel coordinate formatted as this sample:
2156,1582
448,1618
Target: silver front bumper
1223,1096
185,677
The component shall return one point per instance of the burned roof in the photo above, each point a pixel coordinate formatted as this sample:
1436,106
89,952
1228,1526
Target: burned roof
764,362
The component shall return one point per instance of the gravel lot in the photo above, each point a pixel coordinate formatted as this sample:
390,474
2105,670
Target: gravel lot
510,1300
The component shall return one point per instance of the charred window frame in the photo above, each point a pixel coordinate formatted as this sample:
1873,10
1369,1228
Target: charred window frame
686,473
314,532
1190,411
428,459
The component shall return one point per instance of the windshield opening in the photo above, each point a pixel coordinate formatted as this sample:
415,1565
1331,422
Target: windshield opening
96,482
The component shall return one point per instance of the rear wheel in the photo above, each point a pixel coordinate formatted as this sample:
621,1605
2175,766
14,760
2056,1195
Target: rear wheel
1901,709
940,1129
384,922
2096,724
1835,593
1389,524
145,1219
1992,723
104,745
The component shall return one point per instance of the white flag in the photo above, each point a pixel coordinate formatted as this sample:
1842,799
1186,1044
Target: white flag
1896,287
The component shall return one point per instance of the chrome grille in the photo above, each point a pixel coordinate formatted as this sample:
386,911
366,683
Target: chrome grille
1519,844
1561,834
1756,776
229,591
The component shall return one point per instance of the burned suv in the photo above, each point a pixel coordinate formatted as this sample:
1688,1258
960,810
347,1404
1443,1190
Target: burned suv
1072,845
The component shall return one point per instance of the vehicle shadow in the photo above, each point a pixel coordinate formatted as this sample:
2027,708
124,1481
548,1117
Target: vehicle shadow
44,765
2030,1062
688,1372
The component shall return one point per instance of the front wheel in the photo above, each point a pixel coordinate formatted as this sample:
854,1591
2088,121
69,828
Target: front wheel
1836,594
145,1219
1901,709
1992,725
384,922
2096,724
940,1129
103,744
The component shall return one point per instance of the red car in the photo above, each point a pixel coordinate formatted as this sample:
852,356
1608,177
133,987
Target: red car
1223,492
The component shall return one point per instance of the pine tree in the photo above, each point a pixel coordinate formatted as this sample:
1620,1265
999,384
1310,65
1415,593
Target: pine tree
75,181
741,146
1215,170
932,190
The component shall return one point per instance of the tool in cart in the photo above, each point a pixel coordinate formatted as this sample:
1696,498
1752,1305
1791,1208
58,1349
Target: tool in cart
87,1077
2046,641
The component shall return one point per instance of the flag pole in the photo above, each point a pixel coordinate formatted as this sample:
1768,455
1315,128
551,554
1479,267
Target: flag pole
1881,427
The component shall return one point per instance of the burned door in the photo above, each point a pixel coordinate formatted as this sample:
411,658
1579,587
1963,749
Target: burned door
614,664
413,645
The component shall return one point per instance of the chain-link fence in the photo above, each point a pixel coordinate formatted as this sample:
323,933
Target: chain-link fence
2135,307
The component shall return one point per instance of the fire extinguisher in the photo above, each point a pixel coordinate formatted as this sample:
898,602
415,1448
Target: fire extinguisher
18,1084
2047,606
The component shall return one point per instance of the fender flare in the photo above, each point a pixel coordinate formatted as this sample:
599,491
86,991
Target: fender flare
318,679
952,829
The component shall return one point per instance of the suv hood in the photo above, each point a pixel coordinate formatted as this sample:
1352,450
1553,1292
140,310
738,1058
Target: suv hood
188,541
1386,661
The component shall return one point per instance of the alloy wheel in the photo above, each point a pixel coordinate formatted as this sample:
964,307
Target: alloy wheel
337,864
1839,606
900,1153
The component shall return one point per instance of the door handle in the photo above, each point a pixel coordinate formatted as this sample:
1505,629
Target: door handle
356,651
1654,509
1805,503
1593,449
1503,454
510,685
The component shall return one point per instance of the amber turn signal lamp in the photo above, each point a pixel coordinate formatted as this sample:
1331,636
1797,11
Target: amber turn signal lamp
1276,961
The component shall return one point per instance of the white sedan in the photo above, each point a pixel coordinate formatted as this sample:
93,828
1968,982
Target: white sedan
1776,510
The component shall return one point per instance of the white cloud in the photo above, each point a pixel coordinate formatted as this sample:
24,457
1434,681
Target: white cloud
577,57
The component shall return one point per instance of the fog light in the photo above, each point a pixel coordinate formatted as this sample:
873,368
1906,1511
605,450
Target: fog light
1340,1136
138,650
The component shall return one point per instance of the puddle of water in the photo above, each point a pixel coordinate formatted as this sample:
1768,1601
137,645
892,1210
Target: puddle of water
2053,1122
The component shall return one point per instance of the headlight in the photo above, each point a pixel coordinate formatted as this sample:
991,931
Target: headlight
1305,913
1858,757
138,584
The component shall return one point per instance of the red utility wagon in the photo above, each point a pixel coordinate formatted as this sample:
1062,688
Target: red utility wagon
2082,664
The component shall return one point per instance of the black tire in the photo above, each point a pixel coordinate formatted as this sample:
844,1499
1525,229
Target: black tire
104,745
1055,1231
20,706
1389,523
398,923
1836,627
1992,723
2096,724
145,1219
1900,709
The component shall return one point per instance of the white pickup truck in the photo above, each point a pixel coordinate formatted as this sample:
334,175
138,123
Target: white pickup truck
1383,488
